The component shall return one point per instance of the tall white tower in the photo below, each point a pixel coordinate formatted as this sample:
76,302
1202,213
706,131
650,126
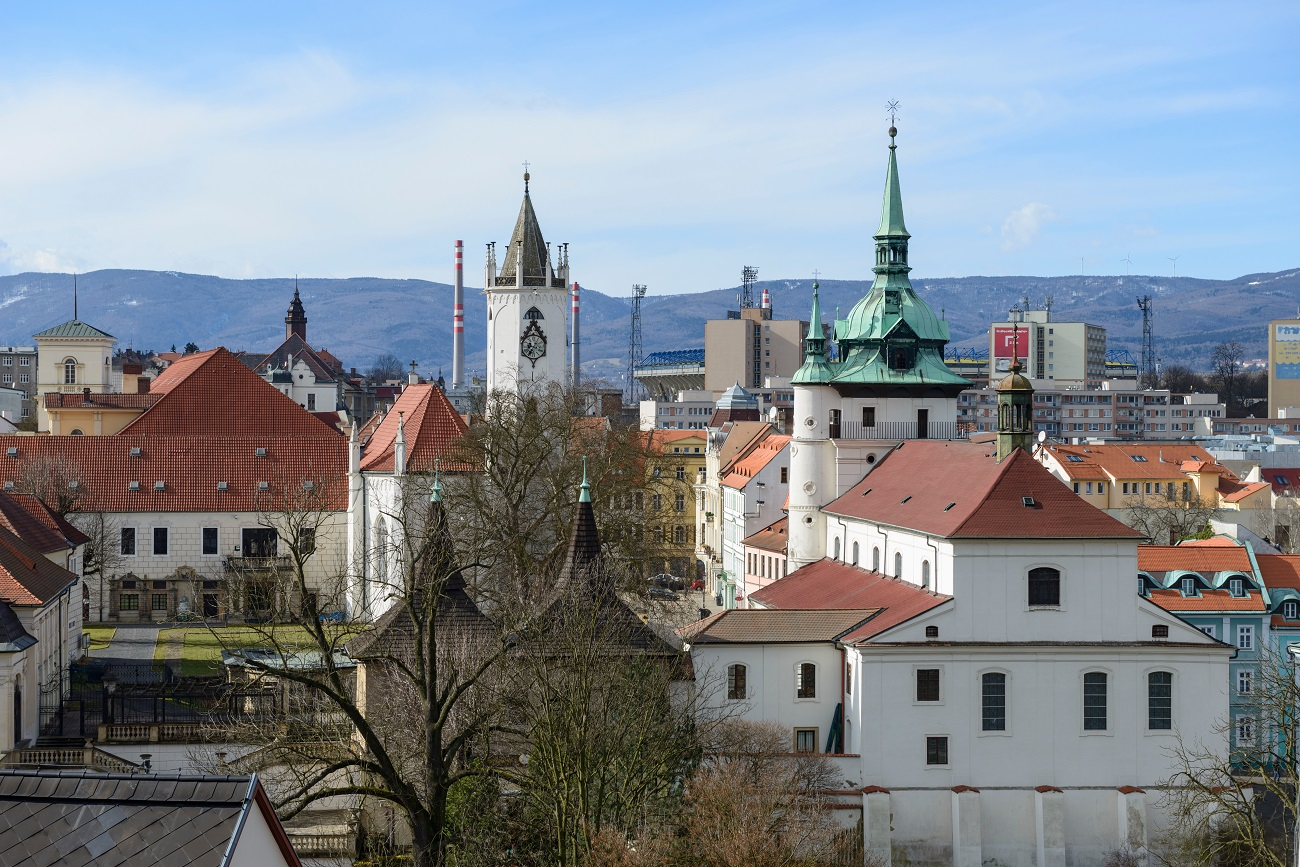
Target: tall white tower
527,302
812,454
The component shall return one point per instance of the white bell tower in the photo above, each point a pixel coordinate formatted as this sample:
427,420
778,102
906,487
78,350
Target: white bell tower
527,303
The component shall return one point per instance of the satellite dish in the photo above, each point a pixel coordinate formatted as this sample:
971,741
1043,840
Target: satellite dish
1042,437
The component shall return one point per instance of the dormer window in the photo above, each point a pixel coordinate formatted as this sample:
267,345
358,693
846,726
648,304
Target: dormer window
900,358
1138,459
1289,610
1235,587
1188,586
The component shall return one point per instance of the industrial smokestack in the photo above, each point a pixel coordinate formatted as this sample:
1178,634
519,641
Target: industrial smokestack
766,303
458,322
575,359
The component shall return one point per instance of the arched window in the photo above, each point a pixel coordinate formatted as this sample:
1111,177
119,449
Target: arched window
69,371
533,314
837,547
805,680
1094,701
993,701
679,535
1160,701
898,565
855,553
875,558
1044,587
76,432
737,689
925,574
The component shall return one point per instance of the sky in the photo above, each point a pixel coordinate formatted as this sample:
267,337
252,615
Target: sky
669,143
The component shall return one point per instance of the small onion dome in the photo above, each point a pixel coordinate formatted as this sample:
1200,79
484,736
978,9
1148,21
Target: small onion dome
1014,381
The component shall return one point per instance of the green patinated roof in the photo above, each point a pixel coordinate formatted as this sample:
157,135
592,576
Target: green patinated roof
815,367
75,328
891,214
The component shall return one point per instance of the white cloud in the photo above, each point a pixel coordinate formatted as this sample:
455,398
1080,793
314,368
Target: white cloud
1022,225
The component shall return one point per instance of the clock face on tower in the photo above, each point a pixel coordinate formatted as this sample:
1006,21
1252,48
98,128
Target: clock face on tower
533,344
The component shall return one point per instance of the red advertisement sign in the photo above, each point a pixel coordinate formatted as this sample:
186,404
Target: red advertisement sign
1008,343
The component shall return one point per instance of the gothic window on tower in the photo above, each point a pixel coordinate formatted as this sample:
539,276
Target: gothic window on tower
533,314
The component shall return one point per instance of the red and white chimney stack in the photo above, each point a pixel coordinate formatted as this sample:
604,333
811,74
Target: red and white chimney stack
575,358
766,303
458,321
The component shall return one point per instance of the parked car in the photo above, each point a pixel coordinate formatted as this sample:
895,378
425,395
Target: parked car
670,582
697,584
663,593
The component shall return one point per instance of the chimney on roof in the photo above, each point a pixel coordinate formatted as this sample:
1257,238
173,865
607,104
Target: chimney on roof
399,447
458,321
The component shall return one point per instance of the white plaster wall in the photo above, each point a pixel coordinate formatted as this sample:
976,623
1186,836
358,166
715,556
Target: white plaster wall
507,368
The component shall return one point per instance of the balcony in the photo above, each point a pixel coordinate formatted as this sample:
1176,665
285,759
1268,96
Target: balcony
901,430
256,564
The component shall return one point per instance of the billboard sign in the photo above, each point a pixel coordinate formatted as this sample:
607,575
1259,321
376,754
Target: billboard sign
1010,342
1286,351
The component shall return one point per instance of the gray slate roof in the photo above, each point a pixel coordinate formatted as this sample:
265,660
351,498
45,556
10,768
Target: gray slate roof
75,818
13,637
75,328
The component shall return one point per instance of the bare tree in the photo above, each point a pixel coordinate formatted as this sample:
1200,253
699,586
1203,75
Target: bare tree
1180,378
1238,805
1168,517
1226,362
385,368
57,481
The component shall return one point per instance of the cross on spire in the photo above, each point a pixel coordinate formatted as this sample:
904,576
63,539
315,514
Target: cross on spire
893,111
526,175
413,365
816,274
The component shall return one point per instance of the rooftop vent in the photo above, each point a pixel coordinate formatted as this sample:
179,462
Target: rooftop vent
931,632
949,506
223,486
73,485
867,491
133,486
1160,631
908,497
11,452
1029,502
263,486
9,486
135,451
259,453
160,486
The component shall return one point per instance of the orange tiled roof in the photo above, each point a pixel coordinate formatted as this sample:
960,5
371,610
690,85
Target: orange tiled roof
752,461
1115,461
1208,600
431,427
1280,571
190,468
957,490
30,520
213,392
1204,559
774,537
26,577
1234,491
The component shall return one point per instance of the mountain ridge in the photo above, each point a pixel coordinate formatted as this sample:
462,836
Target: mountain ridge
359,318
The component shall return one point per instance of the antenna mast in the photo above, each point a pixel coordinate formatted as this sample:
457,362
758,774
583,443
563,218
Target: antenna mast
633,389
748,277
1148,372
74,295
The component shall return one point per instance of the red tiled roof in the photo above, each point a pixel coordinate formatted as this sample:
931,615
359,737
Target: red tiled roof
1234,491
29,519
431,427
26,577
1279,571
773,537
1283,479
190,468
830,584
1209,600
751,462
1116,461
957,490
330,359
213,392
55,400
1204,559
739,435
764,626
292,350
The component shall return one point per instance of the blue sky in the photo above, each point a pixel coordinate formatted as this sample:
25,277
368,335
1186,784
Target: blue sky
670,143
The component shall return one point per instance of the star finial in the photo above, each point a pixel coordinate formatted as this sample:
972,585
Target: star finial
893,114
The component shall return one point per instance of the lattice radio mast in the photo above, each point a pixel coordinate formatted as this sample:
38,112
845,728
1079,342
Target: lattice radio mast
633,390
748,277
1148,372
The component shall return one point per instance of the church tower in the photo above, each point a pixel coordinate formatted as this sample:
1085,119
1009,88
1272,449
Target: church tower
812,454
527,301
295,321
1015,413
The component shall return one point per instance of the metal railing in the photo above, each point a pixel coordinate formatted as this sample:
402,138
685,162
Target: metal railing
901,430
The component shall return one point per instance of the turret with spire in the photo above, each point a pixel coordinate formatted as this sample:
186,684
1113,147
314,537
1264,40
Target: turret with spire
295,321
1015,409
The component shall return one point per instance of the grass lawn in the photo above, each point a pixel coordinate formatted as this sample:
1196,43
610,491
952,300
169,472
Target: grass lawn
201,647
100,636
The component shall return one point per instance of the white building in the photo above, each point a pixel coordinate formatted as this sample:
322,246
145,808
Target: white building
755,487
989,679
528,300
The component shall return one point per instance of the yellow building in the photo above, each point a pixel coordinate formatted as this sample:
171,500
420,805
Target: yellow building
1283,366
72,358
676,460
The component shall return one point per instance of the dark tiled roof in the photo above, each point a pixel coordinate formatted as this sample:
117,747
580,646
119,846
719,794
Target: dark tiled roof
55,400
431,427
772,538
26,577
213,391
190,468
957,490
774,626
29,519
293,349
75,328
527,237
76,818
13,637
